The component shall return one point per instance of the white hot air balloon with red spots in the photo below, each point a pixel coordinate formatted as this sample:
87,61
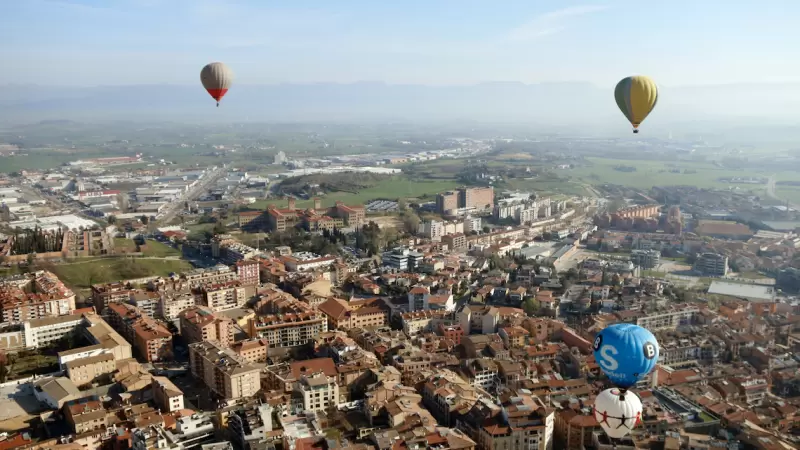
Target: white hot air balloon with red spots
618,412
217,79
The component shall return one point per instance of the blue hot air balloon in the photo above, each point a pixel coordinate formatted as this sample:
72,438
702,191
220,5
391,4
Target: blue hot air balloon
626,353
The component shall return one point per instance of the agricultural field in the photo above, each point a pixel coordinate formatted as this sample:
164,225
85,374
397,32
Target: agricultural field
788,193
659,173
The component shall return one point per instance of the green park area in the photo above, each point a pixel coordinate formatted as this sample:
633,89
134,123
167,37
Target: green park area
152,248
84,273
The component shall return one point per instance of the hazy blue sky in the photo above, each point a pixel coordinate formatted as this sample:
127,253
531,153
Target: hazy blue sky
678,42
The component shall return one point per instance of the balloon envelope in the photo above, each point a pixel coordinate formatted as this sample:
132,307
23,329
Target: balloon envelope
216,78
617,413
636,97
626,353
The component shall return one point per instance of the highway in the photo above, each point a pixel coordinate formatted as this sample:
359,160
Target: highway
771,193
205,183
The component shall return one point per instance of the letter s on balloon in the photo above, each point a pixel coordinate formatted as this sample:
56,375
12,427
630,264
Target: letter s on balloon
607,353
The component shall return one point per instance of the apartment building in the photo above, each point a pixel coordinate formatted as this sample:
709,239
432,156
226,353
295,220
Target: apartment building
200,324
223,371
173,302
712,264
43,332
283,377
200,277
146,301
167,397
249,272
252,350
103,339
294,324
34,296
152,341
318,391
646,259
86,370
341,315
670,318
85,414
103,294
446,393
224,296
446,202
690,350
482,372
525,422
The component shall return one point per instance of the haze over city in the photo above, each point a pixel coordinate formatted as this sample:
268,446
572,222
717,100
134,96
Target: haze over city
711,61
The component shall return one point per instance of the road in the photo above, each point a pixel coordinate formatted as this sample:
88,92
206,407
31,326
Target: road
771,192
206,182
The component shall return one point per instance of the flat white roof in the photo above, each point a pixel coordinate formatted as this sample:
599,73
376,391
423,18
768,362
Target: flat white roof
743,290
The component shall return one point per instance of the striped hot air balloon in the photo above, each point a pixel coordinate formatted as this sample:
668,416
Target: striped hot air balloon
636,97
216,78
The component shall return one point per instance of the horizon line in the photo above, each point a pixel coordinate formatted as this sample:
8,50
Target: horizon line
390,84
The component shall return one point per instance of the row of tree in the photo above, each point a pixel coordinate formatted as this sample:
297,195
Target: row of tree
36,241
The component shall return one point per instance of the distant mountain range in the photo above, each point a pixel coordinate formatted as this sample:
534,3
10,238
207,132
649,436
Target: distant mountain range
570,104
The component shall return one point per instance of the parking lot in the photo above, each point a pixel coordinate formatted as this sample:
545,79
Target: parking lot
381,206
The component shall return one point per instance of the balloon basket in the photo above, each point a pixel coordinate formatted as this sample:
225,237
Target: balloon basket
635,131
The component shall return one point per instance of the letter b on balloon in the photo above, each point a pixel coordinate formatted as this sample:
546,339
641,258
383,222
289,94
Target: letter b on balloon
626,353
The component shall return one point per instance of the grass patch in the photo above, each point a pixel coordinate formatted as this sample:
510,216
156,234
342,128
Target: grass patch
159,249
788,193
85,273
658,173
124,244
705,417
653,273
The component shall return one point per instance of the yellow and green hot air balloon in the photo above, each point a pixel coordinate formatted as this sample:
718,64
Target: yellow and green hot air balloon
636,97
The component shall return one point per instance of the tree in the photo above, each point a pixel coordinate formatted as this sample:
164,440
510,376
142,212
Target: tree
530,306
411,222
616,204
144,219
219,228
3,372
572,274
486,229
31,258
96,274
122,201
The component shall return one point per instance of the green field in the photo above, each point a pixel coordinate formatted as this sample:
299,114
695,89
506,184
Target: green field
125,244
153,248
657,173
38,161
85,273
159,249
790,193
392,189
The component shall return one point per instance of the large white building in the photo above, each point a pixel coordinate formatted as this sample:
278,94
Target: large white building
42,332
319,391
